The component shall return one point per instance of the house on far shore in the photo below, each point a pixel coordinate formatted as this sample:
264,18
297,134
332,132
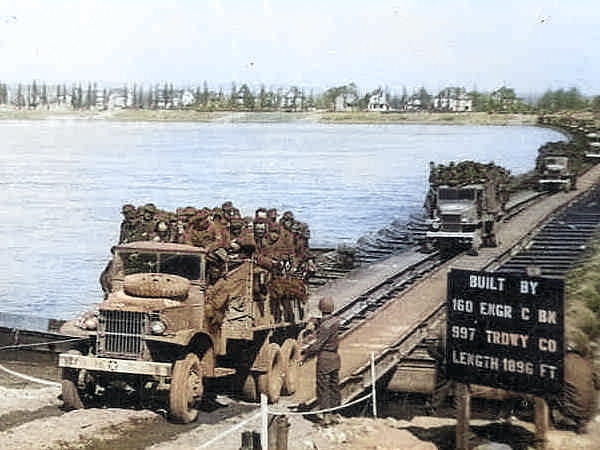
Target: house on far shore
345,102
378,102
453,99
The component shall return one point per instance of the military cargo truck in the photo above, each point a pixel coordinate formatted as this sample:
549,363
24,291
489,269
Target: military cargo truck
556,174
176,314
464,202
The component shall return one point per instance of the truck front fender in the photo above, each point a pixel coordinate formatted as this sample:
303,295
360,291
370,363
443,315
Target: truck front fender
181,337
194,341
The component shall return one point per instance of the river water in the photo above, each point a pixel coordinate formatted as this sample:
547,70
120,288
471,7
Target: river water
63,182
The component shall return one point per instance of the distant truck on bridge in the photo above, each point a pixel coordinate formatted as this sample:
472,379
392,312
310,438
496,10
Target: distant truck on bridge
463,205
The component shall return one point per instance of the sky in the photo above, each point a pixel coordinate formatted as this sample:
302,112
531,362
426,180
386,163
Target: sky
528,45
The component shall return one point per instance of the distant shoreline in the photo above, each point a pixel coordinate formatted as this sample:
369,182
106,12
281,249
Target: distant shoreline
359,117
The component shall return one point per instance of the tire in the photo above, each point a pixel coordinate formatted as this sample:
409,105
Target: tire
186,388
250,389
156,285
289,361
70,391
270,382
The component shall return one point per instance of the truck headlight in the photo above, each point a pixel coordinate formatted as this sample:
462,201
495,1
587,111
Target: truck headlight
158,327
90,323
435,225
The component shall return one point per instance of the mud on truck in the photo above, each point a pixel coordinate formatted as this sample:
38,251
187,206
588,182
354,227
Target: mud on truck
463,205
193,296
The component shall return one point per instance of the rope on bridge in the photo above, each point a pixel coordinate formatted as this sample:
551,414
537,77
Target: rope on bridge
265,412
37,344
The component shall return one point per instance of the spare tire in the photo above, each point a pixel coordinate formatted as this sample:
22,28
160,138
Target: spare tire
156,285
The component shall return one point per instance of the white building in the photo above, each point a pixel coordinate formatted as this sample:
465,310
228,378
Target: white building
378,102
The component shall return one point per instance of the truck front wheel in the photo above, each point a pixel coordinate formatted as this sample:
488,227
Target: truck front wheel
186,388
70,392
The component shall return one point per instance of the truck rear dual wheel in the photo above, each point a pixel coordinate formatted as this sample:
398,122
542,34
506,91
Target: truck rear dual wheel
187,387
270,382
290,355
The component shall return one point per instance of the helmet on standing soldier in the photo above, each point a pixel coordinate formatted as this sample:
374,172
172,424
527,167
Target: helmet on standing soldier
326,305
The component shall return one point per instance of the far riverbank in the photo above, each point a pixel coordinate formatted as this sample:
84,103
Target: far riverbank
358,117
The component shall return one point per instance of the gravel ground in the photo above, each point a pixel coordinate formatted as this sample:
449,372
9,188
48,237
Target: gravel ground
133,429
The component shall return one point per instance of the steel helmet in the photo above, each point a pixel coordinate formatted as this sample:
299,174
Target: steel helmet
326,305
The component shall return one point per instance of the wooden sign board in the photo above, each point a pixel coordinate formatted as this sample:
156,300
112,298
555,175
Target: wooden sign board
505,331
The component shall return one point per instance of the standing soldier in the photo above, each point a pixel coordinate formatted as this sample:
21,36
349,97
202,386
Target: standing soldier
325,346
128,225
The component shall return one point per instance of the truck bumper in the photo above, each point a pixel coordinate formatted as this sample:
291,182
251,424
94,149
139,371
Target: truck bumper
550,181
450,235
115,365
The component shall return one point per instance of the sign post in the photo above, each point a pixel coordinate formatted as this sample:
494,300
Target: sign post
505,331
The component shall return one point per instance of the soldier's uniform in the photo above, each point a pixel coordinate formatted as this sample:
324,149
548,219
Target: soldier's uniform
129,224
148,225
325,346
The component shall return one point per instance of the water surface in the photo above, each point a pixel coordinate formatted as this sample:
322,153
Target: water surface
63,182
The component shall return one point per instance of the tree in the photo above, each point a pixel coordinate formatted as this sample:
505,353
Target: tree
205,94
140,97
34,95
424,98
247,97
89,98
560,100
76,96
44,95
233,96
19,100
262,97
134,99
3,94
329,97
481,101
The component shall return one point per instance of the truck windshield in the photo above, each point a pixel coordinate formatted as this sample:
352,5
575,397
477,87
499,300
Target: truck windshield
453,194
188,266
561,161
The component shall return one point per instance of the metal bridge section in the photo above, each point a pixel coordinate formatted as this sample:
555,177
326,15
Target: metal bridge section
392,307
561,241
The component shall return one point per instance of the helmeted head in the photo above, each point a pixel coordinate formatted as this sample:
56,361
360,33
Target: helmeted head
148,211
326,305
188,211
261,213
129,211
272,214
260,228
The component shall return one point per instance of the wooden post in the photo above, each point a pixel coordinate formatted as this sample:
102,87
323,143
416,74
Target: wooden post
463,415
373,381
264,430
541,419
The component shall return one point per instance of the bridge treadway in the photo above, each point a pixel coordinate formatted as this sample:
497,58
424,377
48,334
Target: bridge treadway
394,330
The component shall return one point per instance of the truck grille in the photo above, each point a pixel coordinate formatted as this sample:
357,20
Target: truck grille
120,334
451,222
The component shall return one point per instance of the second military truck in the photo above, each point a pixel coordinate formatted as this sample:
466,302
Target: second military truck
463,205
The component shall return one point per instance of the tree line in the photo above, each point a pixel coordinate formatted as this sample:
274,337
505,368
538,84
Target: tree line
295,99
